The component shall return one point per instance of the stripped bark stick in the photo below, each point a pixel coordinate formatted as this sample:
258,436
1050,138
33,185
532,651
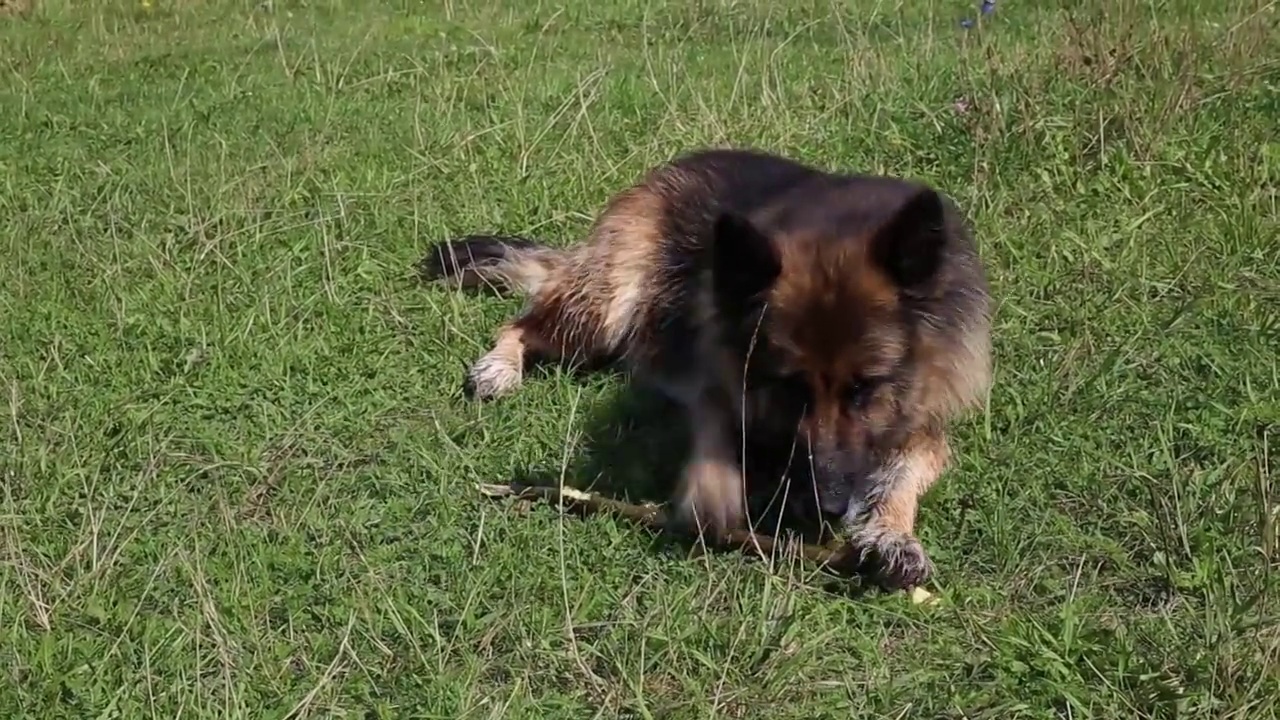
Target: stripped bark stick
654,517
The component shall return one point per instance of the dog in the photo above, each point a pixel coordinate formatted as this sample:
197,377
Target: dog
842,320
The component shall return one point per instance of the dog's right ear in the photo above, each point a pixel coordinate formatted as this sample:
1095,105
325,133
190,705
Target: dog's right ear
910,247
744,261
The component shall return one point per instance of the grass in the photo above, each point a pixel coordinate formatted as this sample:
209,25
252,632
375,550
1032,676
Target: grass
238,469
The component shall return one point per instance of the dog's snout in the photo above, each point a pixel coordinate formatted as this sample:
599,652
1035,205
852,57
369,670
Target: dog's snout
834,503
833,492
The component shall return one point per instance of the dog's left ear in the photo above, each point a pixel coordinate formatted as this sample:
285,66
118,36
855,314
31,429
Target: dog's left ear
910,246
744,261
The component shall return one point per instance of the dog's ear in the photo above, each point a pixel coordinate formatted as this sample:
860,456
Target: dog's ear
910,245
744,261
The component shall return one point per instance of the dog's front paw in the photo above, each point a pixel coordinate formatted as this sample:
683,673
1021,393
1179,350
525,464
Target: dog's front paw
711,497
896,560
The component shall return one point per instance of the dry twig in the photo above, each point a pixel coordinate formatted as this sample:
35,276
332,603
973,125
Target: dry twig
653,516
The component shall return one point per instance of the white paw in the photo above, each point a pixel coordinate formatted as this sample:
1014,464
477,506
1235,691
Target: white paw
492,376
711,496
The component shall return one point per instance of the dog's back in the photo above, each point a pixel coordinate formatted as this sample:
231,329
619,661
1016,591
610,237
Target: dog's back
634,288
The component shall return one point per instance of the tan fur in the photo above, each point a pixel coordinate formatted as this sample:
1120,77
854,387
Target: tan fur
500,370
628,235
886,524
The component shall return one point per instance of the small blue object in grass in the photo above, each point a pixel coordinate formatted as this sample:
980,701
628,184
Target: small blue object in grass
987,7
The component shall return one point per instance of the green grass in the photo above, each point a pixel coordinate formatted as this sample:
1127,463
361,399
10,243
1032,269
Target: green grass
237,466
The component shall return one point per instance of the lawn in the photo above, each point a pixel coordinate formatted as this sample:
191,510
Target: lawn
239,470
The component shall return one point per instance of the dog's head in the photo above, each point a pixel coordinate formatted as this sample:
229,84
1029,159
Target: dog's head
835,302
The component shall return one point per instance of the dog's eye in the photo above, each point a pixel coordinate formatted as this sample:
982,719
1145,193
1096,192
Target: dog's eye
855,392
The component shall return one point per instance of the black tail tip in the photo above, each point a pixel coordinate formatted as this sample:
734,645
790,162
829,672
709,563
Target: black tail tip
452,257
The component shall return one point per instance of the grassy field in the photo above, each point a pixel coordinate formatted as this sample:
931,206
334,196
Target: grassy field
238,468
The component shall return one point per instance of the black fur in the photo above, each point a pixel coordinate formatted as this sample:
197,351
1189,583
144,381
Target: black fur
451,258
744,263
910,246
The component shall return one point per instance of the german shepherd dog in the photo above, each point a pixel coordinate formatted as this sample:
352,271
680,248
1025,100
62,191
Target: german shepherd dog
840,319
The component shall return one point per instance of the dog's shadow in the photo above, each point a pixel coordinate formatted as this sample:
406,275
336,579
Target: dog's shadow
635,442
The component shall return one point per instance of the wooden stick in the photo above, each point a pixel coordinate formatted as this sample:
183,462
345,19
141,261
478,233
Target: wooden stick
653,516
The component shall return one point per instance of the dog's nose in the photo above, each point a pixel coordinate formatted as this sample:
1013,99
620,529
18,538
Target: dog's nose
834,502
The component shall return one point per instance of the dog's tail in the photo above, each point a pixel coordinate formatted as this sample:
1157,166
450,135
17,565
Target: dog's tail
513,264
